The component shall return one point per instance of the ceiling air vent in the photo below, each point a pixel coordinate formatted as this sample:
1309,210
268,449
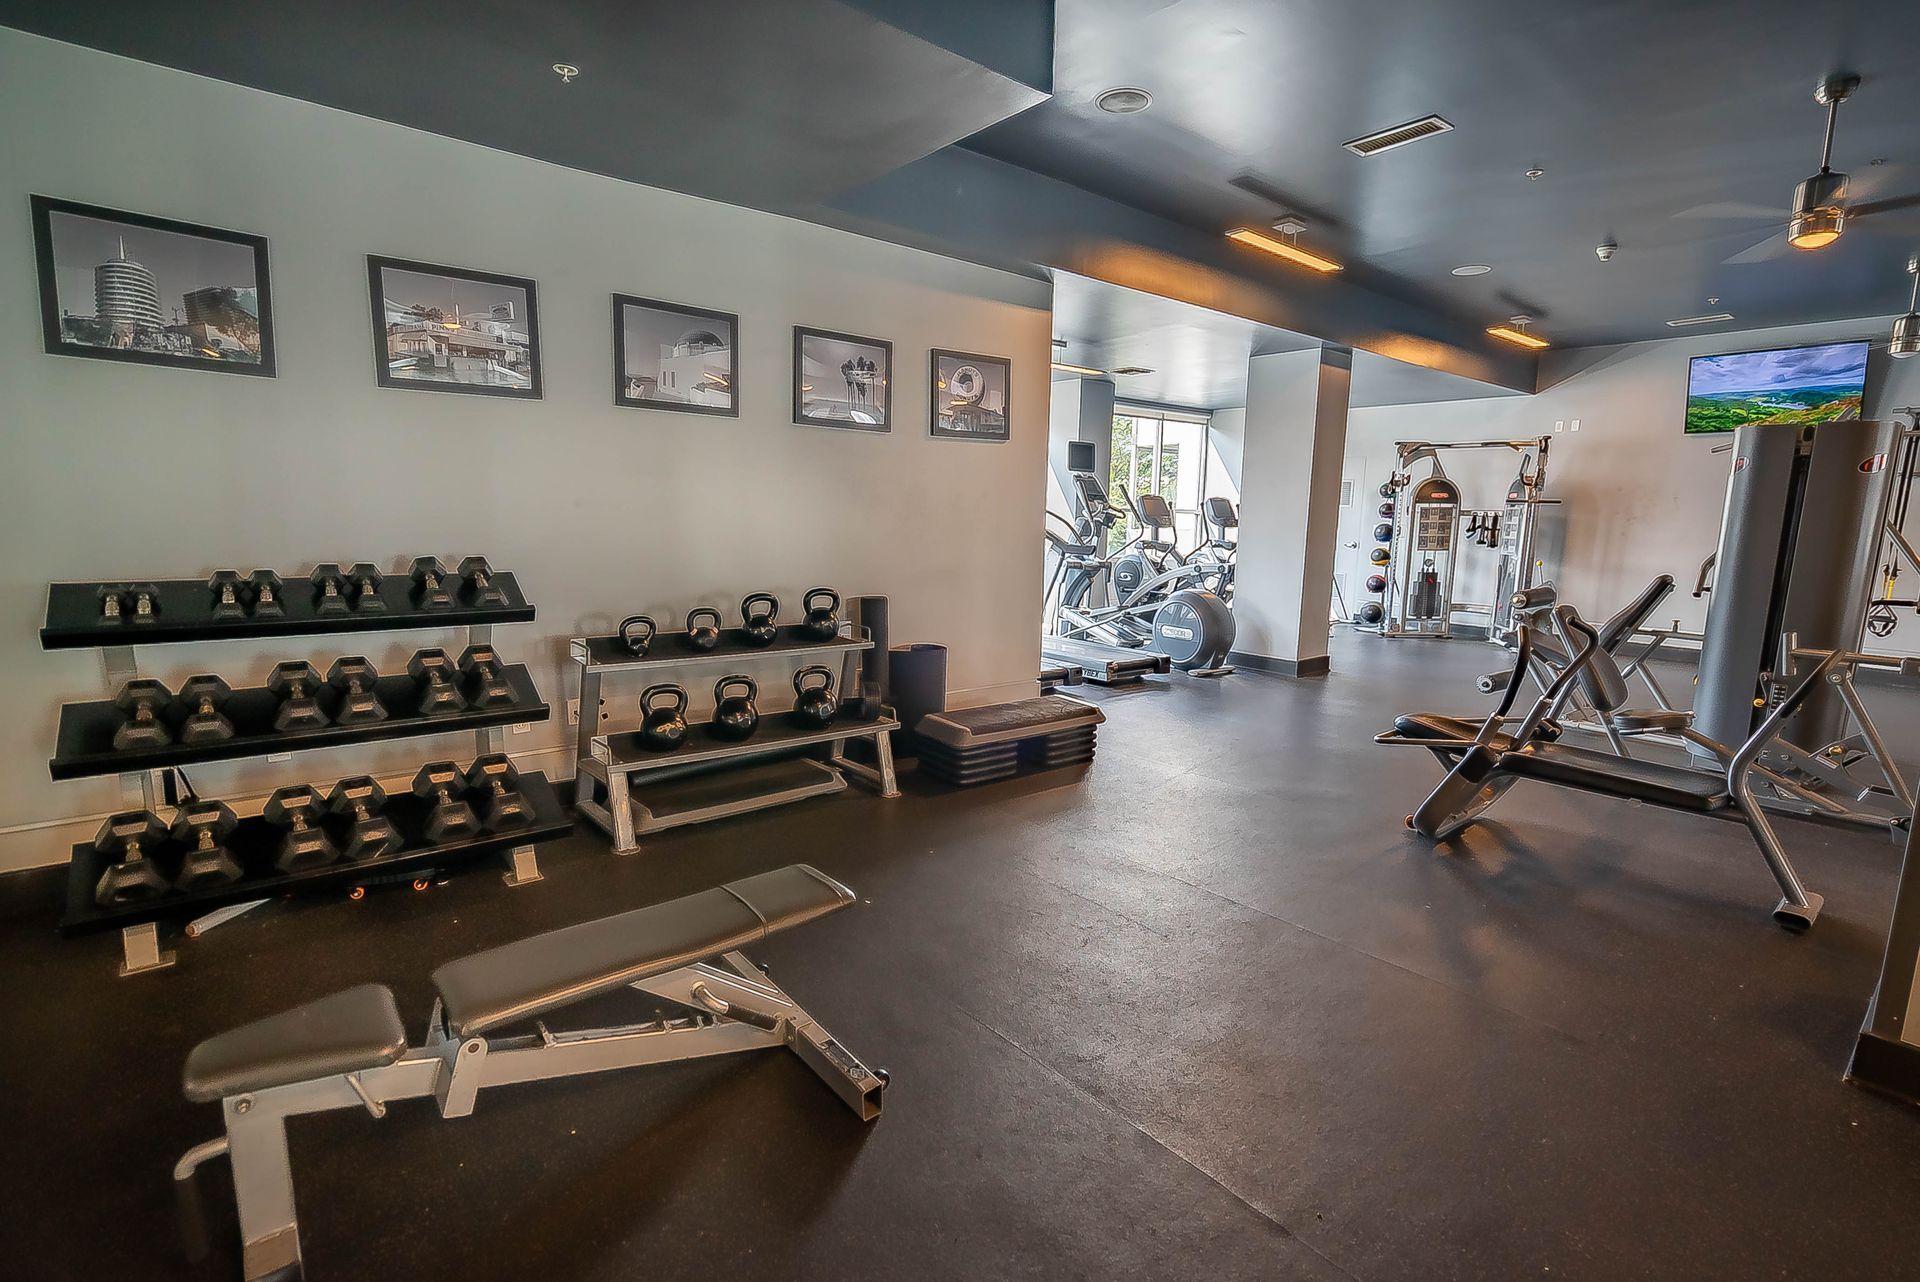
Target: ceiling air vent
1132,369
1398,136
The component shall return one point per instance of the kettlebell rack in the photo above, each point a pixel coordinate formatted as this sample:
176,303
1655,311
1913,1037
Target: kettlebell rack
690,784
116,617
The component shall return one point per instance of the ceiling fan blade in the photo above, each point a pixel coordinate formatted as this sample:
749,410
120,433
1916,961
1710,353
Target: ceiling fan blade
1731,209
1888,206
1774,245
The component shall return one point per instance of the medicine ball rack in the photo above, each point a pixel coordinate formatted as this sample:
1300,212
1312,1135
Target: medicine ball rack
115,617
683,785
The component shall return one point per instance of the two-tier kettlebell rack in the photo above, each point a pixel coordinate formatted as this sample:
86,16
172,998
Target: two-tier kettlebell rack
628,789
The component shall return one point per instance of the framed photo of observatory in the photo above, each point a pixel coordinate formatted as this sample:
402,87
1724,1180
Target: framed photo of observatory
667,356
447,329
842,380
970,396
120,286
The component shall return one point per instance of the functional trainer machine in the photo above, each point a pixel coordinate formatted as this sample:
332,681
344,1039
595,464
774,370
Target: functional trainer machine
349,1050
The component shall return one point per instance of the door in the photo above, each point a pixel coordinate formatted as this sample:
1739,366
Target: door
1350,565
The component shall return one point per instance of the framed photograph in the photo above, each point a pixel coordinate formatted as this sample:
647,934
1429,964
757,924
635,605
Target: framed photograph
446,329
841,380
970,396
670,357
117,286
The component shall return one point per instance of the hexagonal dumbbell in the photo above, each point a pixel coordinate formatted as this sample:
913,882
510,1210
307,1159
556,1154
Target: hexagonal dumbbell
353,678
497,783
297,684
297,809
477,577
434,673
370,834
364,579
429,584
267,602
229,595
329,590
203,828
144,701
450,818
205,722
130,840
486,684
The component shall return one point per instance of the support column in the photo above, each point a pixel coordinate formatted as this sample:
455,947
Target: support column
1296,435
1082,410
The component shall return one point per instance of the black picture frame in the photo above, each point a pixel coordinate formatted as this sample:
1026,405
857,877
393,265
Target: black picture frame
376,299
623,377
801,336
53,332
937,399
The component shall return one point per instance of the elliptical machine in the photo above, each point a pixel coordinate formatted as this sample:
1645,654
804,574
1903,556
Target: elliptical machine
1215,558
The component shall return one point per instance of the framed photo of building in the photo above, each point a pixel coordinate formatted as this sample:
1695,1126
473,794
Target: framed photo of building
667,356
841,380
970,396
120,286
447,329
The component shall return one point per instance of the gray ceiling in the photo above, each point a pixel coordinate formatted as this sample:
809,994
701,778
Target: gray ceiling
1638,112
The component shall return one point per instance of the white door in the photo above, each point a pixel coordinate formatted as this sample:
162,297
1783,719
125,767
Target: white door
1349,558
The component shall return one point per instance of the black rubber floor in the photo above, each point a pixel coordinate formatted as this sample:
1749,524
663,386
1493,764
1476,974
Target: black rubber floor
1205,1011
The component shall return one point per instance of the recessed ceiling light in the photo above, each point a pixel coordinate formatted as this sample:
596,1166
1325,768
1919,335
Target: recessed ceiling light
1079,369
1515,331
1535,174
1472,269
566,71
1288,249
1131,369
1714,318
1123,100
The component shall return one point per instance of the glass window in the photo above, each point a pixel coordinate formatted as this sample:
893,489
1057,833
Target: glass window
1158,452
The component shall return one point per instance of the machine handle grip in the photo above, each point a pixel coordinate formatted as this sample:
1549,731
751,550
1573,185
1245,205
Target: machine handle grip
1700,585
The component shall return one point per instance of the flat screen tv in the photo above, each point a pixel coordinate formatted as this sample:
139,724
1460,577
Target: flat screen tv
1797,385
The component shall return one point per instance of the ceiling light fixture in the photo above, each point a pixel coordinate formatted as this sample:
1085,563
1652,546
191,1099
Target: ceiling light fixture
1123,100
1681,322
1605,251
1289,248
1818,217
1472,269
1515,331
1535,174
1906,330
1079,369
566,71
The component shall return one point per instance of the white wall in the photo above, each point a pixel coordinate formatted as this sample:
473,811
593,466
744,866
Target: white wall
116,470
1640,497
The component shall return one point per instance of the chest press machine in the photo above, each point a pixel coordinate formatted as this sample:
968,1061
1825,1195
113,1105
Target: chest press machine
349,1050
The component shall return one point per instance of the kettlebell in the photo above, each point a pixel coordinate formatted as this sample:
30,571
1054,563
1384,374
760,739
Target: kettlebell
734,716
823,621
664,727
703,636
636,635
756,626
814,706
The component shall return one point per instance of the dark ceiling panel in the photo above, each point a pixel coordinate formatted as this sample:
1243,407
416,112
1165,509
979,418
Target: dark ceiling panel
1013,37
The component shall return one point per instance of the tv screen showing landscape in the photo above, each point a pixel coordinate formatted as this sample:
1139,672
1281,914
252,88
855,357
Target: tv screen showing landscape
1794,385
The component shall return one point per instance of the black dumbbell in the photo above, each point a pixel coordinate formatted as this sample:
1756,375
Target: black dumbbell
205,723
203,828
477,575
370,833
267,596
433,672
229,594
429,584
297,685
353,678
130,840
498,784
306,845
364,580
439,784
329,589
143,700
486,684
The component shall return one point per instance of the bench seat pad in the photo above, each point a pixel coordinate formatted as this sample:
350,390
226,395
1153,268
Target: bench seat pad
1436,725
353,1029
521,980
1653,782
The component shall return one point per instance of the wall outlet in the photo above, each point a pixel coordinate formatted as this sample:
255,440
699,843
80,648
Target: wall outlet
280,756
1559,424
573,712
1575,426
523,727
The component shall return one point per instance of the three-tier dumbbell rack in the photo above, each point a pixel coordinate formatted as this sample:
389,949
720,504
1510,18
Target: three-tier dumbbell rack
175,611
688,785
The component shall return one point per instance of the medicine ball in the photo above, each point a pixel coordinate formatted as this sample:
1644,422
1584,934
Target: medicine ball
1383,532
1376,583
1370,614
1379,556
1386,510
1386,489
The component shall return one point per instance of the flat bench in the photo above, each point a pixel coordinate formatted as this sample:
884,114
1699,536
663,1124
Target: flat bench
349,1049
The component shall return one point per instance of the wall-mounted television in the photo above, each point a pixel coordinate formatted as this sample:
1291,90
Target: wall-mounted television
1796,385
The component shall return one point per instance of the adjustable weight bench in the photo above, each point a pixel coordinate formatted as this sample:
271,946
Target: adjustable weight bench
349,1049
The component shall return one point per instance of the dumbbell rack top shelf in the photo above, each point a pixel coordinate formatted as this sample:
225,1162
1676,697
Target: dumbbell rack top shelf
186,613
670,649
85,745
254,841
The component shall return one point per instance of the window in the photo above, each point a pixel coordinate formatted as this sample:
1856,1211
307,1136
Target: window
1165,453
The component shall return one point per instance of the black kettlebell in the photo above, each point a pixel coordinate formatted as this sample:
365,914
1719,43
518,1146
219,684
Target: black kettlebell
703,636
823,621
734,716
636,634
664,727
814,706
756,626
